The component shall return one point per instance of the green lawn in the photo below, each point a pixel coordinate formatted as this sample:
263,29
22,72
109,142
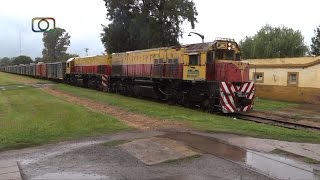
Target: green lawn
265,104
29,116
9,79
202,120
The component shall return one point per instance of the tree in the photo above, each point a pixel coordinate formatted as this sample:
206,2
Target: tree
55,45
22,60
273,42
5,61
67,56
38,59
315,46
141,24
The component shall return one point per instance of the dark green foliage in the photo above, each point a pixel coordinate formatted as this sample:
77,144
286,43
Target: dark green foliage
38,59
315,46
273,42
21,60
141,24
5,61
55,45
67,56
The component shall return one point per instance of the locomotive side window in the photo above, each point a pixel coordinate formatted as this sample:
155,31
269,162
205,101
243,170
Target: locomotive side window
210,57
194,60
238,57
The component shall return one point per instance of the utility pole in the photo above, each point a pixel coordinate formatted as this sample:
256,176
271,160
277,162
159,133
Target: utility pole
86,50
20,41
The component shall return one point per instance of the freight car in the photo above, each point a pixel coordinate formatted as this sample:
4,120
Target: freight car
207,75
54,71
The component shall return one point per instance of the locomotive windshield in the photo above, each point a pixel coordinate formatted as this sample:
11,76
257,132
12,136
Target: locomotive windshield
222,54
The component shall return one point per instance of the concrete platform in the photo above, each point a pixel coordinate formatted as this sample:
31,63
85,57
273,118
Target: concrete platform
9,170
157,150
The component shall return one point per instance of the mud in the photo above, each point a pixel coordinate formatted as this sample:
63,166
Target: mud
304,113
138,121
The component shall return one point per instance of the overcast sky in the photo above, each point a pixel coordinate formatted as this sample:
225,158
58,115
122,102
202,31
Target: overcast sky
82,18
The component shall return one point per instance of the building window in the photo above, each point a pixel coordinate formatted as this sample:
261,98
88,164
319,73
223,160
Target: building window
258,77
293,78
194,60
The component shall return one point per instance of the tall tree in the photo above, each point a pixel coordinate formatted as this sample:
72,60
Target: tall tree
55,45
38,59
5,61
315,45
273,42
21,60
140,24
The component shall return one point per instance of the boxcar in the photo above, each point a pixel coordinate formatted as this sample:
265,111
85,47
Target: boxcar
56,70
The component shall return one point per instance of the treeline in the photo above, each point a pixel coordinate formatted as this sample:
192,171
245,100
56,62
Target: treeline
55,49
279,42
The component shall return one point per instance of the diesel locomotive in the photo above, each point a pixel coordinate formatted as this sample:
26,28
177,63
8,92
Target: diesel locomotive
207,75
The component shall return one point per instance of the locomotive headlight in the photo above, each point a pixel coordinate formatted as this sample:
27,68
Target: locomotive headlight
229,48
229,44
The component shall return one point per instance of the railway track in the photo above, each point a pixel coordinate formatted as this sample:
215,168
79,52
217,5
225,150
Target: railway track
277,120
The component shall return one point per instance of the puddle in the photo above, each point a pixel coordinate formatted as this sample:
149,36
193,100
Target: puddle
11,87
269,164
281,167
43,85
70,176
21,86
190,177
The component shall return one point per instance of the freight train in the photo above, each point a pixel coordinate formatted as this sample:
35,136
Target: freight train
207,75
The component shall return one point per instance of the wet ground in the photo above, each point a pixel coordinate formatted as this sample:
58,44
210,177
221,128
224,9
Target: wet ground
188,155
216,159
304,113
24,86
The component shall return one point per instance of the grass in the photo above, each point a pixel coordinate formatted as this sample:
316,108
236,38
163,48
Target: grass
12,79
269,105
29,117
198,119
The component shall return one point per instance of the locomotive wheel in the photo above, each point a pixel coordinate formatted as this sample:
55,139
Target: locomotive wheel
205,106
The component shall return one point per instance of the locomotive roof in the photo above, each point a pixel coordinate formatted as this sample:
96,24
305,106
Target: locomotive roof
198,47
189,47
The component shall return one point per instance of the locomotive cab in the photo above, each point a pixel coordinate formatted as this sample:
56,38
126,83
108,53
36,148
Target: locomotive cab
219,65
